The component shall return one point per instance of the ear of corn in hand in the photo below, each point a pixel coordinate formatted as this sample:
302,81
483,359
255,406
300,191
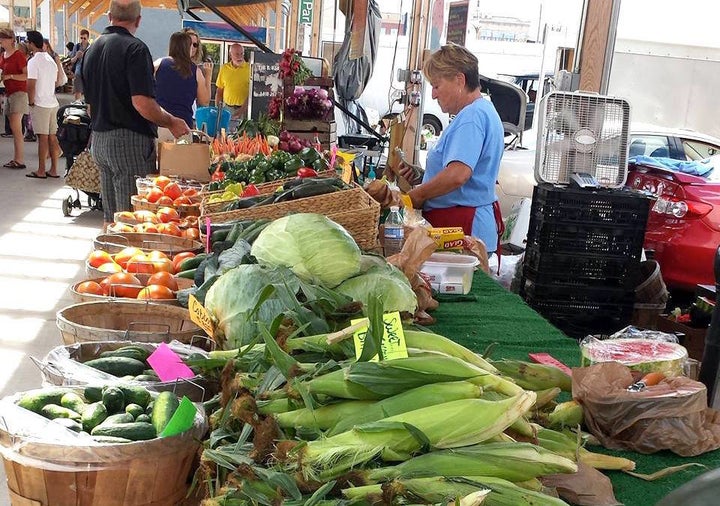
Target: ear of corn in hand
533,376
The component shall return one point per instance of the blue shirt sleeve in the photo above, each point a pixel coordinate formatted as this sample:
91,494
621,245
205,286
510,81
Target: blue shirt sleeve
458,145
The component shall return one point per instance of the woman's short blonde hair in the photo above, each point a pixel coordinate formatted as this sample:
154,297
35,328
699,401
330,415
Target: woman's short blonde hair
6,33
450,60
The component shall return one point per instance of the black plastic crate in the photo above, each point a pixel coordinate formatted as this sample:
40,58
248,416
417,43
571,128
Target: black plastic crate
591,269
579,319
601,206
577,238
570,294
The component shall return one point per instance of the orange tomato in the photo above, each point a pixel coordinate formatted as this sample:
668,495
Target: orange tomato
157,255
145,216
168,214
126,254
154,194
161,181
173,229
190,192
110,267
172,190
146,228
165,279
163,265
99,257
177,259
121,284
182,200
156,292
91,287
191,233
164,201
140,264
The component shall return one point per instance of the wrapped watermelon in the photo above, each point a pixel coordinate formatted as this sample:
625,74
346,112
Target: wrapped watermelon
644,355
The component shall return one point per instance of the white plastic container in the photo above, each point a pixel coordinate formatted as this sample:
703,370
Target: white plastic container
450,272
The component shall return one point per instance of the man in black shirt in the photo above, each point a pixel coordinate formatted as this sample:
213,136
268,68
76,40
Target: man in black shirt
117,72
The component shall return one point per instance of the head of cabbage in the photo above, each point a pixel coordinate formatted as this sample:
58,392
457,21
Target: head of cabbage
313,246
233,297
384,279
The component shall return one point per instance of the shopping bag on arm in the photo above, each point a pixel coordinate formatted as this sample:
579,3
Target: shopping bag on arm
188,160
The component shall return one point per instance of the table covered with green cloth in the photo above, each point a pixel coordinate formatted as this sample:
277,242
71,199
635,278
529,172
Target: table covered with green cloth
492,315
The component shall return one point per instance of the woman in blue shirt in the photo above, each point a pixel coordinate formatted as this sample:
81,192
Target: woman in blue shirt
179,82
458,187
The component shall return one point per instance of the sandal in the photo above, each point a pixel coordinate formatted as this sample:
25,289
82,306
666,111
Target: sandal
54,176
12,164
34,175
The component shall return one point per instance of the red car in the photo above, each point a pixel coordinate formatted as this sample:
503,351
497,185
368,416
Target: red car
683,227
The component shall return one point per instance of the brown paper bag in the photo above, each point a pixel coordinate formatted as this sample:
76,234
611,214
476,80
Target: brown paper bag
188,161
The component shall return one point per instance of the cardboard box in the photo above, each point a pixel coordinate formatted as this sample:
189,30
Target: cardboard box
447,238
188,161
693,340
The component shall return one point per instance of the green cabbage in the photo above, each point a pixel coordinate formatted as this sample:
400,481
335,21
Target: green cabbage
233,297
388,280
314,247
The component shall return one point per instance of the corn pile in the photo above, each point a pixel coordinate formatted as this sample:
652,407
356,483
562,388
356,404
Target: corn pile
299,419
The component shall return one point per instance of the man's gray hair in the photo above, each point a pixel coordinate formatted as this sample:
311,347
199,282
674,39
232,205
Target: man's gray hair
125,10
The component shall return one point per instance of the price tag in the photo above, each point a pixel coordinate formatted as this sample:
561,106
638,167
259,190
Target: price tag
168,365
393,341
182,419
200,316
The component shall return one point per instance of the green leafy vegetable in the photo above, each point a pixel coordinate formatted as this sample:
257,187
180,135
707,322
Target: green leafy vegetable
314,247
387,280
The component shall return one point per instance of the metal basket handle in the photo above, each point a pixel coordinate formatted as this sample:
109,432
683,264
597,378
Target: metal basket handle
186,380
45,367
126,337
212,345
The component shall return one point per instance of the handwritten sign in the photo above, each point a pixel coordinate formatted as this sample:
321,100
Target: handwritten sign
265,82
393,341
200,316
457,22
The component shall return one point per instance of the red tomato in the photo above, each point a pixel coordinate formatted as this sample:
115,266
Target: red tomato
172,190
306,172
218,175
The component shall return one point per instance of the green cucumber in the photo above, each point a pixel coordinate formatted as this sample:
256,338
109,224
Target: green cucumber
150,372
146,378
135,431
94,415
129,352
93,393
118,419
73,401
235,232
187,274
136,395
53,411
192,262
114,400
34,401
111,440
144,418
149,408
164,408
134,410
117,366
69,423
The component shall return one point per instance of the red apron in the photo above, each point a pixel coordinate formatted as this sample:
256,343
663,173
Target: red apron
458,216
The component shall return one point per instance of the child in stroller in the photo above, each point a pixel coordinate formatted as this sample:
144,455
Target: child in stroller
73,136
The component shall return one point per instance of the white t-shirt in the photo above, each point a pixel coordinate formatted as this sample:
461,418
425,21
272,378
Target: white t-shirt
44,69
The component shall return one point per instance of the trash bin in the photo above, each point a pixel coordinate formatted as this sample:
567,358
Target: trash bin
208,117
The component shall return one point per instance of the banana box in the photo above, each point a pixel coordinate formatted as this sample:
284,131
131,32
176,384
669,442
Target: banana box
447,238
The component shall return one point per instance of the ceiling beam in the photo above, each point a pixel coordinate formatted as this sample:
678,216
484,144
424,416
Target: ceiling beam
91,8
74,7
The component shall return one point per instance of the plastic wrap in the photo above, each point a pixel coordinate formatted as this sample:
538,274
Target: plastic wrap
63,366
32,440
643,351
672,415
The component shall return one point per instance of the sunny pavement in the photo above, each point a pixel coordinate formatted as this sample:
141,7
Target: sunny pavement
42,253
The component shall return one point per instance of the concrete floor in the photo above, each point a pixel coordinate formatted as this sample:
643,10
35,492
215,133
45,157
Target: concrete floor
42,253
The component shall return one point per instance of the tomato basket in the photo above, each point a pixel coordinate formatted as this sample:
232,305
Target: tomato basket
183,283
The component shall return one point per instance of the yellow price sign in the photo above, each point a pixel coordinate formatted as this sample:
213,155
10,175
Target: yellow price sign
392,343
200,316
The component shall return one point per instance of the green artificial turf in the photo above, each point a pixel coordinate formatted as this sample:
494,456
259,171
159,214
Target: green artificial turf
493,317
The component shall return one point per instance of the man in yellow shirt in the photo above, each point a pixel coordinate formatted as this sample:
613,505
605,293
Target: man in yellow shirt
233,85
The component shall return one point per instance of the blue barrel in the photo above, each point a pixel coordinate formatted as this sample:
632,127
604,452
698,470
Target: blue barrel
208,116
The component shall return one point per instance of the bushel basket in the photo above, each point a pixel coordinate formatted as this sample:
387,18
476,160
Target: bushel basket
145,322
168,244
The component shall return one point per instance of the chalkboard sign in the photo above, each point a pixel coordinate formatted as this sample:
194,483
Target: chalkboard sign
265,83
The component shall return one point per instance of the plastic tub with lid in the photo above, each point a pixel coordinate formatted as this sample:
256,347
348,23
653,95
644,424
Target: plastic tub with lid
450,272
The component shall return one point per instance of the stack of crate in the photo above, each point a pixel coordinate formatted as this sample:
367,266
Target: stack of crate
582,257
325,129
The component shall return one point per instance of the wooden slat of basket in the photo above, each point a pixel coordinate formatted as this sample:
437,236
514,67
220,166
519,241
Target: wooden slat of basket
169,244
183,210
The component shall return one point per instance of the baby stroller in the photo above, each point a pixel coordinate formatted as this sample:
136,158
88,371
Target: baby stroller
73,136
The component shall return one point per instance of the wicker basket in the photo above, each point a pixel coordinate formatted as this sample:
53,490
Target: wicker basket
63,366
43,471
183,210
168,244
183,283
353,209
114,320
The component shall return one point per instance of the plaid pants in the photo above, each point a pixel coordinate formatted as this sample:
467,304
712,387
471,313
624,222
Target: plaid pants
121,155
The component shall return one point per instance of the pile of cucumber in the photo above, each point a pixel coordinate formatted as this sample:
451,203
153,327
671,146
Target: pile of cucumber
109,414
128,363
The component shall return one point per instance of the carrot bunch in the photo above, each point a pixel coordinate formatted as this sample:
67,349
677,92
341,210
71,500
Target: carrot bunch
242,145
